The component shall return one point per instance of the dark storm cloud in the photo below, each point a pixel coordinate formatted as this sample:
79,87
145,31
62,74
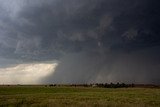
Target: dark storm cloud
95,41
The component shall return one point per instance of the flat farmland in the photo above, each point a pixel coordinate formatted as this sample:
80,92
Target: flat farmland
65,96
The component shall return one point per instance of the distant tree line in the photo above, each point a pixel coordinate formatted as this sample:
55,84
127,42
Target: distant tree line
112,85
101,85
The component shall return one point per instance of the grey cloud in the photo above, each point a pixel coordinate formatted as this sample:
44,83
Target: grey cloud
95,41
109,67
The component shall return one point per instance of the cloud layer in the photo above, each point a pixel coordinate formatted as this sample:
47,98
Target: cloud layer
26,73
94,41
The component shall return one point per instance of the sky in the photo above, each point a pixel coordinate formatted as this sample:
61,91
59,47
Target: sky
79,41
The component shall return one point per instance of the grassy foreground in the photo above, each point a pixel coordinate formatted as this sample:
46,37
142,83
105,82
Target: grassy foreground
41,96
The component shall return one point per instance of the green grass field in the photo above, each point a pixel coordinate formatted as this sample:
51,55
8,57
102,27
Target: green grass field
41,96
